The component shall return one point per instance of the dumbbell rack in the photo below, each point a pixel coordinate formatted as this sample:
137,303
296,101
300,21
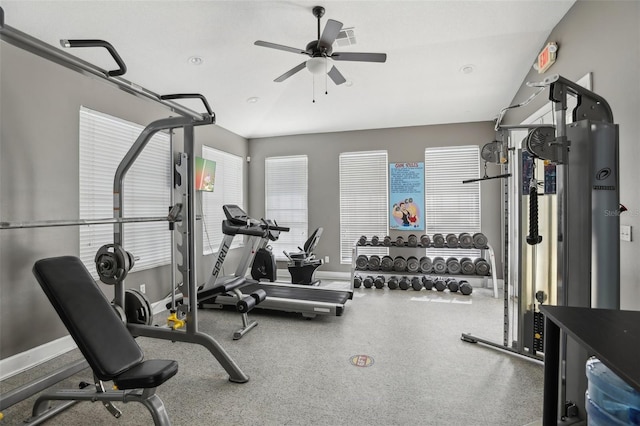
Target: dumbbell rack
488,249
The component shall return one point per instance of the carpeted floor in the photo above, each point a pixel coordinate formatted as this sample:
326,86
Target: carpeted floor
301,371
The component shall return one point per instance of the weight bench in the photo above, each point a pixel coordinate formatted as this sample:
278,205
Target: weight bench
102,337
303,264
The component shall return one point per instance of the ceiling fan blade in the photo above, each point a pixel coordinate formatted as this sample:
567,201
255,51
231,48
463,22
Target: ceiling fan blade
291,72
336,76
361,57
280,47
330,33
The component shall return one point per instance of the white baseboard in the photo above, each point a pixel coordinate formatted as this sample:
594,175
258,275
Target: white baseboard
28,359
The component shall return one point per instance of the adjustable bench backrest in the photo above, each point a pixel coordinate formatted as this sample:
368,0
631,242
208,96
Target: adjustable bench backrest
94,325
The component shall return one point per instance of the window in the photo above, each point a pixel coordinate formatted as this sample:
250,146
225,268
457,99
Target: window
450,205
363,200
286,200
104,140
227,189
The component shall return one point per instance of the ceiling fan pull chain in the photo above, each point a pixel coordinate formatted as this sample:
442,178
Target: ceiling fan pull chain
326,72
313,89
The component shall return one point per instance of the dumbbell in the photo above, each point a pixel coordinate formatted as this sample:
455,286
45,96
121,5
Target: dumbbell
440,284
452,241
386,264
453,265
452,285
400,241
467,267
412,240
480,240
425,240
427,282
404,283
438,240
399,264
357,281
362,240
362,261
375,240
439,265
465,287
368,281
374,262
379,282
386,241
416,284
482,266
392,283
466,240
413,265
426,264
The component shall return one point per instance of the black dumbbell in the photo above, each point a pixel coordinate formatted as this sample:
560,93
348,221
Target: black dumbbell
426,264
467,267
375,240
413,265
427,282
400,241
386,241
480,241
412,240
374,262
357,281
452,241
453,265
466,240
439,265
399,264
368,282
440,284
386,264
362,240
404,283
362,261
392,283
465,287
416,284
438,240
425,240
482,266
452,285
379,282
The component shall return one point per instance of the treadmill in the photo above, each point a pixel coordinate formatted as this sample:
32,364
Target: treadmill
310,301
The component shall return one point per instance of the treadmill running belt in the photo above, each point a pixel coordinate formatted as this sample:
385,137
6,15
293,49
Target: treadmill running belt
283,292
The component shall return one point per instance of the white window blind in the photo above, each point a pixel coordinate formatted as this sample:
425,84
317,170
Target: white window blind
104,140
363,200
227,189
286,201
450,205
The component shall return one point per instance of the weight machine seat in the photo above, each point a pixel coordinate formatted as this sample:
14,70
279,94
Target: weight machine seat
305,256
101,336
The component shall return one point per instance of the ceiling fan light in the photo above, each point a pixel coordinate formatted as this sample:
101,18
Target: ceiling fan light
317,65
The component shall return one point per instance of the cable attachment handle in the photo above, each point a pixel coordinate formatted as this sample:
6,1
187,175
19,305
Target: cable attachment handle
533,238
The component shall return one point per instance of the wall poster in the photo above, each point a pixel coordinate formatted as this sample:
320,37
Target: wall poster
406,196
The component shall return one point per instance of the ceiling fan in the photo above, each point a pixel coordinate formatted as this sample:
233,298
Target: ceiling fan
320,51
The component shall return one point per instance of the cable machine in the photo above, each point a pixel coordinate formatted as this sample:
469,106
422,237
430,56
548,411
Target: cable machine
569,254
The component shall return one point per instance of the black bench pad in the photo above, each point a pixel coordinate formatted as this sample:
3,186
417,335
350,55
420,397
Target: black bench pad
148,374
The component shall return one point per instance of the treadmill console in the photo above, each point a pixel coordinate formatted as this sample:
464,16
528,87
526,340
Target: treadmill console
235,214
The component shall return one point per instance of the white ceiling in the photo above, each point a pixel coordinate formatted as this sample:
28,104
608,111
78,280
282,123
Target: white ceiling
427,43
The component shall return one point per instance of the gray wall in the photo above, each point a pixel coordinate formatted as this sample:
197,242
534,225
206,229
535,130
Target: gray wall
403,145
40,103
603,37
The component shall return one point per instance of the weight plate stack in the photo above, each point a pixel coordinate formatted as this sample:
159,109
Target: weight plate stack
413,265
137,308
399,264
452,240
412,240
425,240
426,265
386,264
438,240
480,241
466,240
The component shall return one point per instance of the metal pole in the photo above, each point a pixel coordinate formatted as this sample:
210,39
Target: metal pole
81,222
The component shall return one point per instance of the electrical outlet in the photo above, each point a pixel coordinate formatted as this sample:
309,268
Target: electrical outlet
326,259
143,288
625,232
